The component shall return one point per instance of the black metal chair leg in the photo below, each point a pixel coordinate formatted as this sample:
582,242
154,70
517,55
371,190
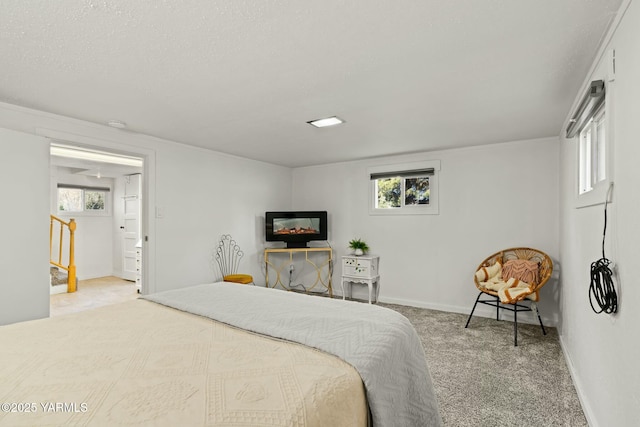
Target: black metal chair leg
541,325
473,309
515,325
497,308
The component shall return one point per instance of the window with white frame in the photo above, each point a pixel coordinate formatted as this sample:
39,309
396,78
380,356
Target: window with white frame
593,143
589,125
82,199
409,188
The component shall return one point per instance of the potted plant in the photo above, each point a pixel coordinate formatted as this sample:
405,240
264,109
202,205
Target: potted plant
359,247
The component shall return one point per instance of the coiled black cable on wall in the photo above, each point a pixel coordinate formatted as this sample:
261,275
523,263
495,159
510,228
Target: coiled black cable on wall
602,288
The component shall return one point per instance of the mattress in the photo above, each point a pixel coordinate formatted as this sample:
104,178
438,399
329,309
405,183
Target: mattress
141,363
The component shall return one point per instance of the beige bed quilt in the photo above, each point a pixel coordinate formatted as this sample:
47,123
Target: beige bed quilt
141,363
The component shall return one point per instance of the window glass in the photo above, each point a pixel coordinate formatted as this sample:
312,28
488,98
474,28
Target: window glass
585,160
416,191
592,153
94,200
397,192
70,199
389,192
600,153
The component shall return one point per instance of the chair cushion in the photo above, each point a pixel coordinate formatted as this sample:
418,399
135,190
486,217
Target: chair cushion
238,278
521,269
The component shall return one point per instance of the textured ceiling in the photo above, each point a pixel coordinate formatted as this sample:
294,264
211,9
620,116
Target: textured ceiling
244,77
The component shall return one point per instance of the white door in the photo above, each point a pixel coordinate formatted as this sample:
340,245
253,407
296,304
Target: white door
131,227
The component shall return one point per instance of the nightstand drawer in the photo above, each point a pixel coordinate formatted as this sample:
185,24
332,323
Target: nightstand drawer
360,266
356,271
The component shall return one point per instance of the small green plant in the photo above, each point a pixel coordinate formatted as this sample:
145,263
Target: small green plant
356,244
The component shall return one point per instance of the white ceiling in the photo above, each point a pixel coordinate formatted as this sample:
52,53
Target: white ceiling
244,76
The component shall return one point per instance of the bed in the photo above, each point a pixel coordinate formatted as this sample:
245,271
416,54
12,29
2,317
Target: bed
217,355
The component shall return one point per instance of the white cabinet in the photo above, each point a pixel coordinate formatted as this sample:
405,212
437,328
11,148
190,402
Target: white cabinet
139,266
361,269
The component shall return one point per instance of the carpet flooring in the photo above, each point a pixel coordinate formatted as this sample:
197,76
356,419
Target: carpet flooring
481,379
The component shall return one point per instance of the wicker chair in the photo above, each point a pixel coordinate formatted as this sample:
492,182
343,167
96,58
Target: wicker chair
545,268
228,255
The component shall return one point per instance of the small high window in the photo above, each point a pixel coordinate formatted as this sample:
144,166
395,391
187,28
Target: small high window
589,125
404,188
593,143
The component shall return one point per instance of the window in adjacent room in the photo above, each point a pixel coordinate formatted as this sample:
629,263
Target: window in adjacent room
409,188
76,199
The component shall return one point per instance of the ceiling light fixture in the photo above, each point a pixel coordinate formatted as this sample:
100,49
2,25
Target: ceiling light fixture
118,124
329,121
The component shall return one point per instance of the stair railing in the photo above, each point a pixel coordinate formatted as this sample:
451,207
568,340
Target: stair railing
71,268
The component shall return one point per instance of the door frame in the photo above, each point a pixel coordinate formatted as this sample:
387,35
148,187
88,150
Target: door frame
148,224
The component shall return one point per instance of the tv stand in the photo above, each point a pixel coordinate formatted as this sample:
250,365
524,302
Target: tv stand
279,265
296,245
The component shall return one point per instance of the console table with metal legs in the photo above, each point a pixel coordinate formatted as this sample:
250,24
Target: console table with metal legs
280,260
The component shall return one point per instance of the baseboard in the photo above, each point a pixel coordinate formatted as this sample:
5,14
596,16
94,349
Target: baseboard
422,304
586,408
481,310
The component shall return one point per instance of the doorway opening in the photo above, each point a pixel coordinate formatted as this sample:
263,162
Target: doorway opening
104,191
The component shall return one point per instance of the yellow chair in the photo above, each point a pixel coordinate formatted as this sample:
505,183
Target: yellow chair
511,298
228,256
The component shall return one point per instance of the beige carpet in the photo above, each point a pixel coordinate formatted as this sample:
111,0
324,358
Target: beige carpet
93,293
481,379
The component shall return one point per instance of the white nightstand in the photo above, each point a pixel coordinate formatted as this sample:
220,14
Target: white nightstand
361,269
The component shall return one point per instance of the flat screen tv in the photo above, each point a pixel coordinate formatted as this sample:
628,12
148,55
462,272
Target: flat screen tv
295,228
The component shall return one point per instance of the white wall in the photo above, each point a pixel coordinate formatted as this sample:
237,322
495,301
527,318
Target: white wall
203,194
491,197
94,233
603,350
24,246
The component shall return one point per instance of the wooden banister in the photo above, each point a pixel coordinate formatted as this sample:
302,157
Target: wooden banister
71,268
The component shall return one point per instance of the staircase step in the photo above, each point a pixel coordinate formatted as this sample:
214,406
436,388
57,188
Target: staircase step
58,277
